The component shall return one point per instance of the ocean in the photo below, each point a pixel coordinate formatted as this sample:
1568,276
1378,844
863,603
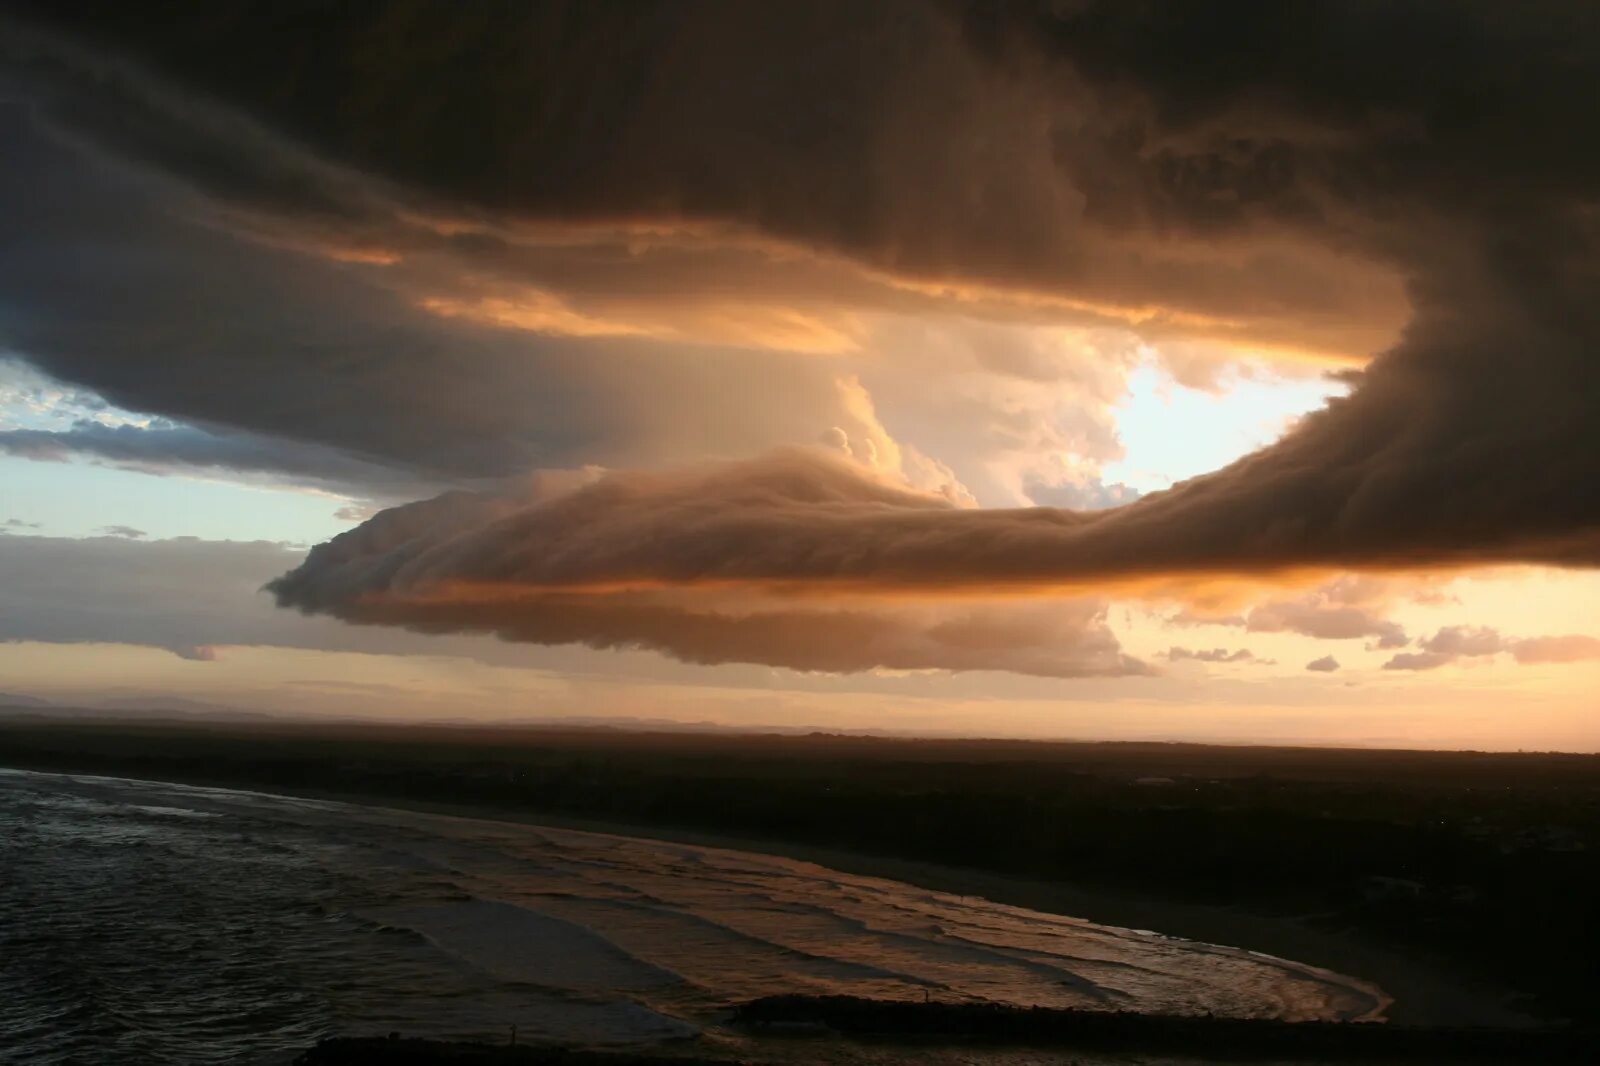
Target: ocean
162,923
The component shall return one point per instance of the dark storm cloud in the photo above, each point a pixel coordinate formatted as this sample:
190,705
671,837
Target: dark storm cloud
101,285
1206,160
165,446
800,517
318,370
872,131
584,110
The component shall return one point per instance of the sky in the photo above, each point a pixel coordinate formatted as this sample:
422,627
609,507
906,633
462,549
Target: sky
1097,370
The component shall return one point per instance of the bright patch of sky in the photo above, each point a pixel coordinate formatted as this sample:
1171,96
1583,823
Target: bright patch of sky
76,499
30,400
1171,432
79,499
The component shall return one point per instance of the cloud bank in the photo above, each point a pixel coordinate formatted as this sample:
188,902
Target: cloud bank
801,517
1454,643
548,568
433,250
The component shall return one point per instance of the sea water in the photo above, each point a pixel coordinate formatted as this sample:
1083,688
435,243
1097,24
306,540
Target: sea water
163,923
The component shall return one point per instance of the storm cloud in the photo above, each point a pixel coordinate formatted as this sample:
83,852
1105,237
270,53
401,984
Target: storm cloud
433,237
801,518
166,446
856,130
474,562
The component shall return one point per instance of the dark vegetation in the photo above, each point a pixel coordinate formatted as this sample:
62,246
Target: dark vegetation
1213,1038
395,1051
1488,863
1224,1039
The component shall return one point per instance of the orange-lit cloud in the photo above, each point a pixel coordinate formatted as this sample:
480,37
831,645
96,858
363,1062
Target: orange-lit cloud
1340,610
1063,639
461,287
536,312
1455,643
802,518
1567,649
744,326
734,556
906,223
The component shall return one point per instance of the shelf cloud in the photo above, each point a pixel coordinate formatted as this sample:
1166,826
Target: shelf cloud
573,236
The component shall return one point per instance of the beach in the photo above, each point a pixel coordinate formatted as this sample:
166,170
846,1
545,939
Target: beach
1423,992
210,922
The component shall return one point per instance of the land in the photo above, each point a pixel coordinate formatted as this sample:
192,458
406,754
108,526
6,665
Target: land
1461,882
915,1028
1212,1038
401,1051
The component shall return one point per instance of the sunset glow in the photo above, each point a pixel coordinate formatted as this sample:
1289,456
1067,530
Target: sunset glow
992,385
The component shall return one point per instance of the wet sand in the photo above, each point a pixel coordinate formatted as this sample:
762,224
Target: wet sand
1424,993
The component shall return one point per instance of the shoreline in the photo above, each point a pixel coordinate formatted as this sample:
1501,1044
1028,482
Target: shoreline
1422,993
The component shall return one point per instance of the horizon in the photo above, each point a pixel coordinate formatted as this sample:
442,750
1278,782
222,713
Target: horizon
151,713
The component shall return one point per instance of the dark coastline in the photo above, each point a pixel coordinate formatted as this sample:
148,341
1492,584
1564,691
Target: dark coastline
1209,1037
410,1051
1267,849
909,1025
